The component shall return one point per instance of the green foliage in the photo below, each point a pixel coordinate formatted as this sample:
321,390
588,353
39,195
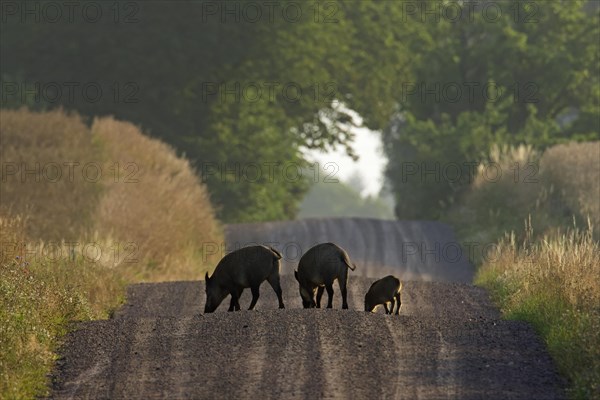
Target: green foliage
172,68
191,78
519,80
254,172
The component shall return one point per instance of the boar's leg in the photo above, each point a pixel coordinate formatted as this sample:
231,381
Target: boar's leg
398,303
232,304
343,280
320,291
344,298
385,306
255,294
273,280
329,287
235,299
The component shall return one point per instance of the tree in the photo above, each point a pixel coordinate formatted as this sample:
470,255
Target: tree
171,68
529,77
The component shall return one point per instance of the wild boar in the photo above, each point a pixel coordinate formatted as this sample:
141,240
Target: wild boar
247,267
384,291
318,268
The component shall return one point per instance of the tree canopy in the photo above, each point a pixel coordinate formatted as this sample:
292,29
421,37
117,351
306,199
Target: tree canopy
242,87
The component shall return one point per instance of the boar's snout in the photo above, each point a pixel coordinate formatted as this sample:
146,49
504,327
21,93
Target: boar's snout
214,294
307,297
308,304
208,308
214,297
368,306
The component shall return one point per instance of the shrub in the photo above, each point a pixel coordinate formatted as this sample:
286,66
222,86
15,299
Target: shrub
157,203
136,193
151,225
551,188
59,206
573,170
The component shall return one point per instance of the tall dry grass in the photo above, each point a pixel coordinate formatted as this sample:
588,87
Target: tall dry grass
574,170
554,283
550,277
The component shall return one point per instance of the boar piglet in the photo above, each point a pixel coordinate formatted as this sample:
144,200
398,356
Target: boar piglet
384,291
318,268
247,267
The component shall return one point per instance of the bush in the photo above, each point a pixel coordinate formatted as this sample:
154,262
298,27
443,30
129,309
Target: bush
552,188
146,213
59,206
573,170
157,204
136,193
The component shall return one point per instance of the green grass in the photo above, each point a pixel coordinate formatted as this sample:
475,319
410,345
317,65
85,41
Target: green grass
554,284
38,302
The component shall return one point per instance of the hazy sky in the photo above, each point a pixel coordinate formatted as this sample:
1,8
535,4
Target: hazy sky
371,163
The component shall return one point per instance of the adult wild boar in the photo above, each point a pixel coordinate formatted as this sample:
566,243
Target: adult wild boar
318,268
384,291
247,267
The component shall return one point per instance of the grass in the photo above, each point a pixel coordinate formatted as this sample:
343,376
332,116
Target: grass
40,296
71,245
554,284
551,277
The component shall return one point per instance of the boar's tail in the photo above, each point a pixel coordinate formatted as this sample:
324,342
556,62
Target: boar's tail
348,263
276,253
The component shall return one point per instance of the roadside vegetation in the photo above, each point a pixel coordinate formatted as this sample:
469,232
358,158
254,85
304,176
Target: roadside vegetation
441,90
545,267
72,240
38,301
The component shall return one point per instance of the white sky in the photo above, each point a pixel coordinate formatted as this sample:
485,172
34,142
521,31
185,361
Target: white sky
370,165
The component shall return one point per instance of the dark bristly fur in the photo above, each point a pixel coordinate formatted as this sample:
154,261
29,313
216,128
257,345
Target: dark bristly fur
387,290
318,268
247,267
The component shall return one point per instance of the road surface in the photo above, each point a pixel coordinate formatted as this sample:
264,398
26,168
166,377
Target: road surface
418,250
448,342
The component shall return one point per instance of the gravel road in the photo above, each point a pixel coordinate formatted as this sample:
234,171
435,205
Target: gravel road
448,342
418,250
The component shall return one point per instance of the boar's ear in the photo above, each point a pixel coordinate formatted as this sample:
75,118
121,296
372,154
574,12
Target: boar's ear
206,278
296,275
